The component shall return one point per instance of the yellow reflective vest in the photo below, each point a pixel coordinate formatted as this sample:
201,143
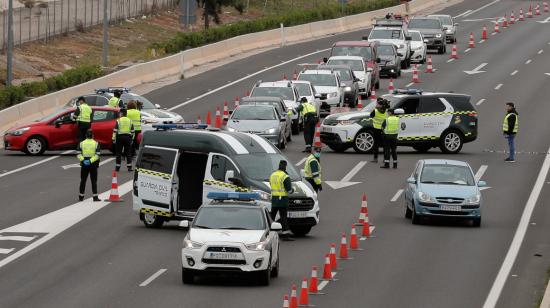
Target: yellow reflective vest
113,102
505,123
308,108
277,182
124,127
85,115
316,176
392,126
89,149
378,119
135,116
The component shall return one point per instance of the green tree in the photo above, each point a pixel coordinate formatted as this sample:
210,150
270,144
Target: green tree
213,8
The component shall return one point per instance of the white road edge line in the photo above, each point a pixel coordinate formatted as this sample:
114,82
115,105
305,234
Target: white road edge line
528,61
245,78
450,60
521,230
34,164
153,277
5,251
409,84
498,86
17,238
462,14
513,73
397,195
467,49
540,51
322,285
301,161
481,8
480,172
479,102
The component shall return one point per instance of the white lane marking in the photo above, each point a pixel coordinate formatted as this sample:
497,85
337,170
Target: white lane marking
467,50
521,230
371,229
345,181
450,60
547,74
480,172
481,8
301,161
494,33
101,163
16,238
528,61
476,70
34,164
479,102
481,42
58,221
5,251
153,277
245,78
322,285
540,51
410,84
498,86
397,195
462,14
513,73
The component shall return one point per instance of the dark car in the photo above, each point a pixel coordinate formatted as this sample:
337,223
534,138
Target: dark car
348,79
432,30
365,49
390,60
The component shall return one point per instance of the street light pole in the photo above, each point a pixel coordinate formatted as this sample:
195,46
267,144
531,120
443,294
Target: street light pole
9,60
105,35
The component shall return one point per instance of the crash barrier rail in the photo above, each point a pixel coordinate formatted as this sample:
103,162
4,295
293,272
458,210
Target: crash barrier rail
179,63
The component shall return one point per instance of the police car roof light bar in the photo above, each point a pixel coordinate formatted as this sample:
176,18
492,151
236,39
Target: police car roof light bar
180,126
407,91
243,196
388,23
112,89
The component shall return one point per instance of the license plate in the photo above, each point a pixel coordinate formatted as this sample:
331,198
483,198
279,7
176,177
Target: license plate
326,129
224,256
453,208
297,214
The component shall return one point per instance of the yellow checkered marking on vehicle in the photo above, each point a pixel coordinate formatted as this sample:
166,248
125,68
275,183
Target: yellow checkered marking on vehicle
418,138
155,212
165,176
224,184
434,114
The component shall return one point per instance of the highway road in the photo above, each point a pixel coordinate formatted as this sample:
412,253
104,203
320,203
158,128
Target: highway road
100,255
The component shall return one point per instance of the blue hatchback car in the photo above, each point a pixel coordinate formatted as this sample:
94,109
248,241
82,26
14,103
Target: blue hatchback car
443,188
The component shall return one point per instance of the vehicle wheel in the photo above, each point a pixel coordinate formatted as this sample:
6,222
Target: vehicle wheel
415,218
445,49
35,145
264,277
408,212
151,220
476,222
423,60
440,50
363,142
451,142
282,143
275,270
338,147
295,127
404,64
187,277
399,73
300,230
422,148
409,63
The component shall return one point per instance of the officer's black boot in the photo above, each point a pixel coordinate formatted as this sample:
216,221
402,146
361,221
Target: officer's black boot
80,197
96,199
394,165
386,165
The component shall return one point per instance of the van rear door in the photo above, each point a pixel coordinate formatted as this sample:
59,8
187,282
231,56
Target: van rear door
156,167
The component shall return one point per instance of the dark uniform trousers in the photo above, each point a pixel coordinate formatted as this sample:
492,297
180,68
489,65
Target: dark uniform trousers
82,128
313,184
310,121
123,145
377,135
84,172
283,212
390,146
135,144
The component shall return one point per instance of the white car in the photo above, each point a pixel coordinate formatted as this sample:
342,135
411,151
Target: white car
418,47
359,68
328,85
307,90
397,36
231,233
285,90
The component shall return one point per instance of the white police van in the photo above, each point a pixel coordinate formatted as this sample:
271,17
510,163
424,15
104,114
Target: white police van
179,164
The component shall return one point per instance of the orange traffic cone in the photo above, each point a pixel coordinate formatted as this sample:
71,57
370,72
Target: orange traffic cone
317,136
344,247
497,29
391,87
114,197
373,95
484,33
546,9
313,281
454,52
293,297
363,210
295,75
521,16
332,256
360,102
505,21
247,93
304,294
327,269
416,78
353,242
285,301
237,99
471,43
429,66
537,10
530,12
512,18
225,113
209,119
218,123
199,119
366,229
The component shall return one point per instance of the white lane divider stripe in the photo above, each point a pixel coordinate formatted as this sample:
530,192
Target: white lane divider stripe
462,14
498,86
494,33
153,277
481,42
409,84
479,102
301,161
17,238
513,73
397,195
480,172
467,49
324,283
540,51
450,60
528,61
34,164
481,8
371,231
5,251
521,230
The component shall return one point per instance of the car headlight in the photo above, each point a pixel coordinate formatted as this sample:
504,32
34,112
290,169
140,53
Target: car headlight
257,246
401,46
270,131
263,195
347,89
390,63
333,94
438,35
187,243
230,129
346,122
20,131
426,198
473,200
148,121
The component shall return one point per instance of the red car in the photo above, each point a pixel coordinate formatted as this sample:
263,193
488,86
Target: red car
58,131
367,50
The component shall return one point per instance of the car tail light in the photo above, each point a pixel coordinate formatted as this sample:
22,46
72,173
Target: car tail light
473,114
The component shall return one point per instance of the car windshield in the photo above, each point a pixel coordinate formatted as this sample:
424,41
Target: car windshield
355,65
386,50
303,89
447,174
360,51
385,34
230,218
415,36
126,97
320,80
51,116
285,93
259,167
424,24
369,108
251,112
445,20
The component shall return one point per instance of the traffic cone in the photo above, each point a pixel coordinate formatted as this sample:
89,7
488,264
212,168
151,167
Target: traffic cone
530,12
247,93
114,197
317,136
366,228
284,77
237,99
521,16
199,119
497,29
505,21
327,269
484,33
472,43
429,66
285,301
293,297
218,123
343,247
295,75
546,10
353,242
360,102
304,294
391,87
373,95
313,281
332,256
363,210
225,113
209,119
537,10
512,18
416,78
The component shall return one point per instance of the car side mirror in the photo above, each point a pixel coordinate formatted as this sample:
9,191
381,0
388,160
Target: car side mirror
378,60
364,38
317,95
411,180
230,111
408,38
481,184
399,54
229,174
158,106
275,226
455,24
356,79
184,224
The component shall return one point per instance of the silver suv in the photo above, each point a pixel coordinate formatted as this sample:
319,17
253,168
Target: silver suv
433,32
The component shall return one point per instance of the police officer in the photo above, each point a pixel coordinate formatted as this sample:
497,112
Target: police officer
83,116
88,155
390,128
115,101
312,169
123,134
309,113
281,186
135,115
510,127
378,115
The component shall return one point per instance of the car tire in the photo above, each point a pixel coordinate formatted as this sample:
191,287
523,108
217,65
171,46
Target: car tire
264,277
300,230
404,64
476,222
275,270
151,220
295,127
399,73
445,49
282,143
339,148
408,212
363,141
415,219
35,145
451,142
187,277
440,50
422,148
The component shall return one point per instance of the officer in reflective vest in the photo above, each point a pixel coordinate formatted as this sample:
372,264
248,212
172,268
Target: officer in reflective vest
115,101
378,115
88,155
123,134
510,127
309,113
281,187
83,116
390,127
312,169
135,115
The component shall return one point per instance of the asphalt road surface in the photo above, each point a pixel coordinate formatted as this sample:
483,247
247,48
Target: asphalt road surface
98,255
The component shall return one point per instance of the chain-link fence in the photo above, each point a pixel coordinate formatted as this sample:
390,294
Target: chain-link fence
41,20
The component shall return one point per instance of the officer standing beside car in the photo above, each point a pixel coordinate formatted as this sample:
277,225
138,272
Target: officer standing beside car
115,101
135,115
123,134
390,128
281,187
309,113
378,116
83,116
312,169
88,155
